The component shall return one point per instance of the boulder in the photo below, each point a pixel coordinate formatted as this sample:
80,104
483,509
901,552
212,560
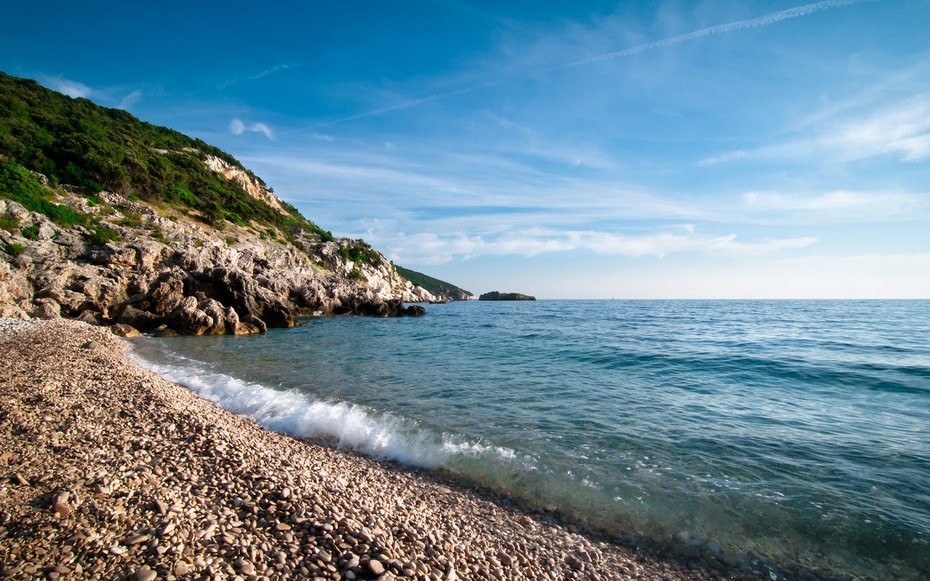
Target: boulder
165,293
188,319
123,330
142,320
46,309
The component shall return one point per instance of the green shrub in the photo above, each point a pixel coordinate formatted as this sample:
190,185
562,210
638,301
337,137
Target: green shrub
131,220
230,240
360,252
20,185
100,235
30,232
159,235
9,223
14,248
356,274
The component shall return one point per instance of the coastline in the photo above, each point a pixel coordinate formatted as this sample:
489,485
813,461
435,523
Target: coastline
112,471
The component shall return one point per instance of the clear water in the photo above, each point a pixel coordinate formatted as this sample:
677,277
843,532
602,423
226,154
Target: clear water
797,432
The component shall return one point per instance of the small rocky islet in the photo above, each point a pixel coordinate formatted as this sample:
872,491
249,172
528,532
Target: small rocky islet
499,296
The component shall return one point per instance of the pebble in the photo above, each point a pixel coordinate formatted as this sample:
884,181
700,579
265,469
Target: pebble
60,506
144,574
376,567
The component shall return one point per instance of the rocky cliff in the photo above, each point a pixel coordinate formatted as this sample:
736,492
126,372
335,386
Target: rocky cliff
162,270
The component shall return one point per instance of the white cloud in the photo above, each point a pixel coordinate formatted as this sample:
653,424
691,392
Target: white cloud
68,87
723,158
898,128
238,127
902,128
130,100
450,183
841,205
432,248
271,71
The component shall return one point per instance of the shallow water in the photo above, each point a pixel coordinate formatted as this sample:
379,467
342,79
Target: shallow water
795,432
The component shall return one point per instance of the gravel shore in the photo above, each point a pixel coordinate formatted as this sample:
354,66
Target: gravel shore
110,472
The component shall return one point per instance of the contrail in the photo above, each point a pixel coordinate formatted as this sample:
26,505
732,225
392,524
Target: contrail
765,20
404,105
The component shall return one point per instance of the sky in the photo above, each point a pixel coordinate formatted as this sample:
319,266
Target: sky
668,149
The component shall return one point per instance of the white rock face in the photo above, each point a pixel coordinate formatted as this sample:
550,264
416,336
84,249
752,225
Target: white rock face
248,183
191,277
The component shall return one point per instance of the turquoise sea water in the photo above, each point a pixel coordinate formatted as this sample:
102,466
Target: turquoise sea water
792,432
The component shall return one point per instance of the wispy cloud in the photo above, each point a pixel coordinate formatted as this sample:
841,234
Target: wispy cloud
238,127
271,71
432,248
761,21
449,183
279,68
838,206
899,128
67,86
766,20
130,100
722,158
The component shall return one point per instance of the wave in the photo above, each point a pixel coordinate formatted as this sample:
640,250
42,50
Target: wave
342,424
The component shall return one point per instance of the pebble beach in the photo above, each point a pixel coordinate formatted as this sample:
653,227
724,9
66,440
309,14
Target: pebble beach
111,472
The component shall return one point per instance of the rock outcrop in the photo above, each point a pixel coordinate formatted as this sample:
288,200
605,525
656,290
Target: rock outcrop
167,271
499,296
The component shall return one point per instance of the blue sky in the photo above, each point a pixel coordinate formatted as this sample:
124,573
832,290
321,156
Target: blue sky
715,149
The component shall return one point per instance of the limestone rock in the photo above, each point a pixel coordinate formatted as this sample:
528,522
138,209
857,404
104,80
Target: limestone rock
190,278
46,309
123,330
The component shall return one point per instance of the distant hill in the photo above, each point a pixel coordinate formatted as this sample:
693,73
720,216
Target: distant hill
442,289
94,148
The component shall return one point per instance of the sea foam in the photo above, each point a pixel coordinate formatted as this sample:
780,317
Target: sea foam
345,425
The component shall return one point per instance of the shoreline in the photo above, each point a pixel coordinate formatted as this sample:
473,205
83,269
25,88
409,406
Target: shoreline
112,471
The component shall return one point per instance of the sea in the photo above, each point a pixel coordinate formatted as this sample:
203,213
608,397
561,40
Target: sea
792,437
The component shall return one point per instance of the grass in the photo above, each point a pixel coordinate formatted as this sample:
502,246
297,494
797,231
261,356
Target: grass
14,248
9,223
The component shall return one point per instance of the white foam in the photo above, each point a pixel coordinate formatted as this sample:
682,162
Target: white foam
346,425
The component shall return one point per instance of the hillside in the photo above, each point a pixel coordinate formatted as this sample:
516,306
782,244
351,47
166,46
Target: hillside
440,288
110,219
93,148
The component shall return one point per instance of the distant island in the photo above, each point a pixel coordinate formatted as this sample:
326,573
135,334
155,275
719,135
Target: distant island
499,296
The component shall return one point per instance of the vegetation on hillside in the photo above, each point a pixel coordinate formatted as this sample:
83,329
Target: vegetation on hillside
76,142
23,186
429,283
